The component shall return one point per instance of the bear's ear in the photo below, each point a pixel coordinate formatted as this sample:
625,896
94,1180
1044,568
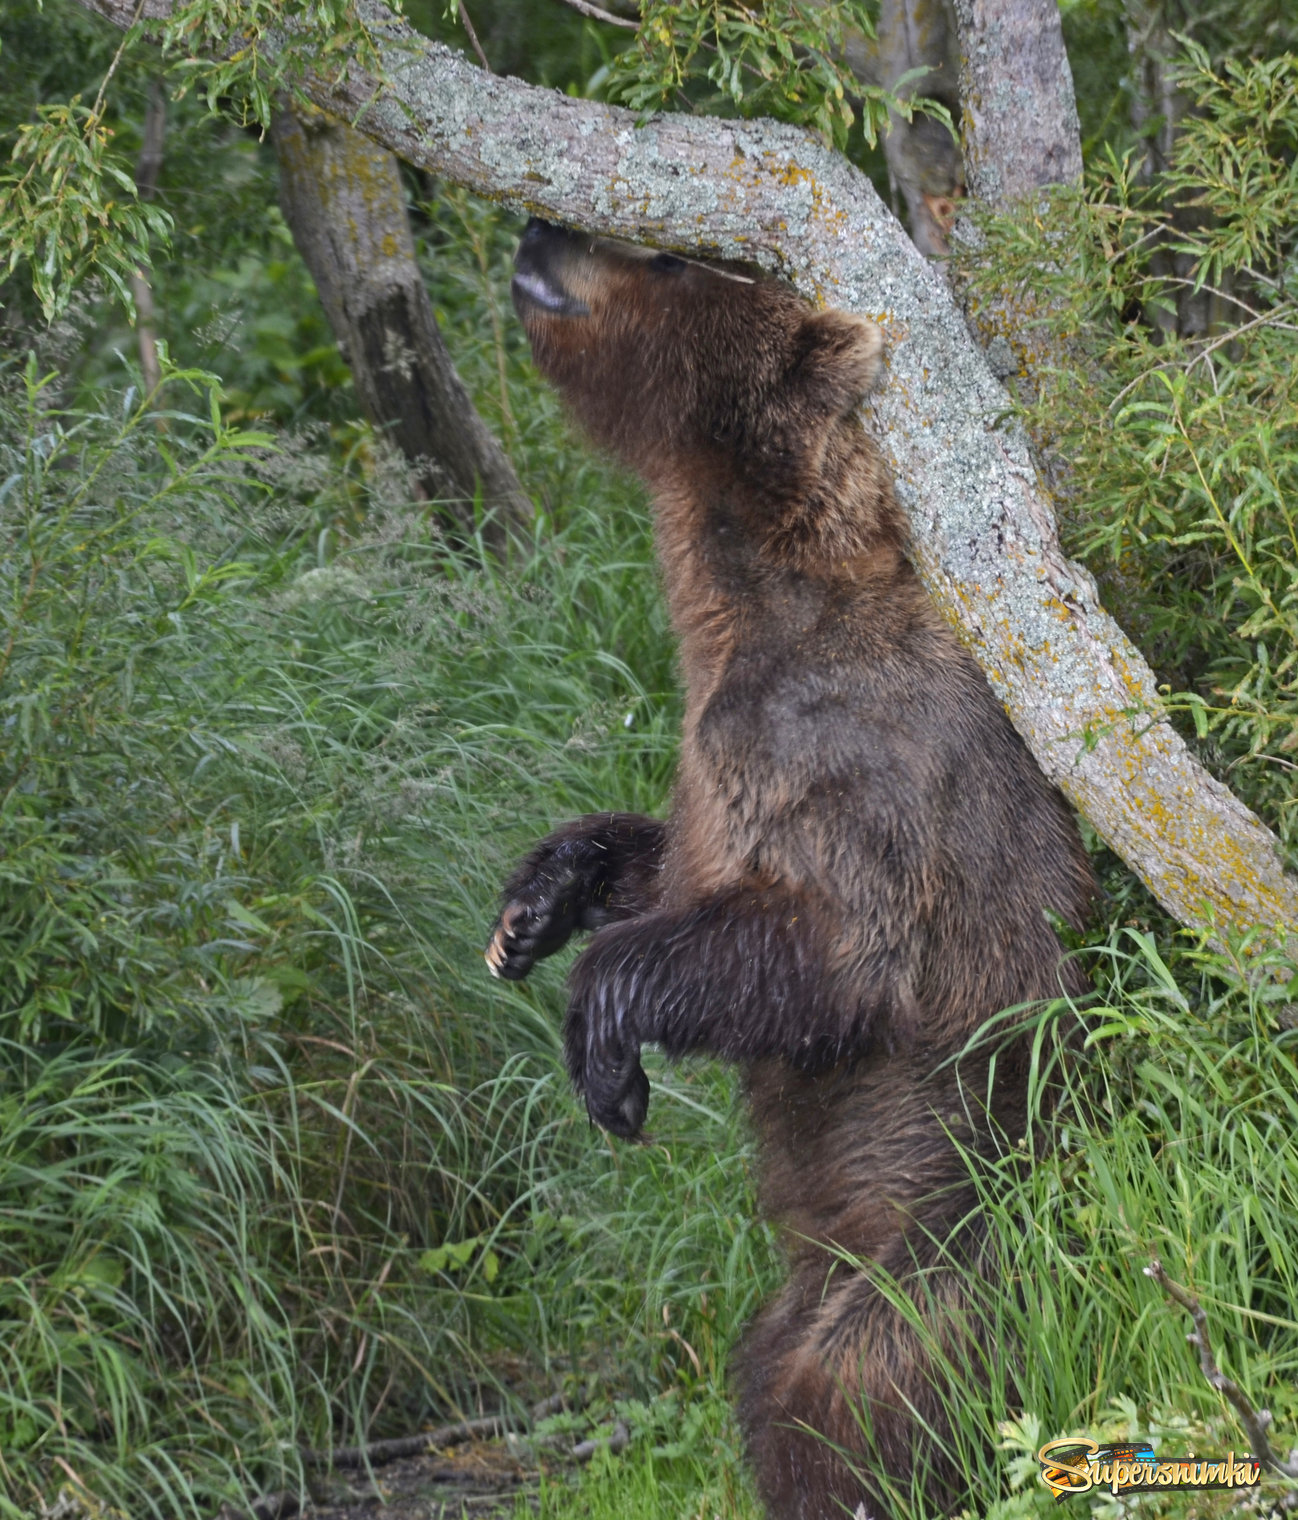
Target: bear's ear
840,359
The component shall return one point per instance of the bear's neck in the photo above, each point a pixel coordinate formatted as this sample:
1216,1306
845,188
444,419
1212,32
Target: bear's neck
739,564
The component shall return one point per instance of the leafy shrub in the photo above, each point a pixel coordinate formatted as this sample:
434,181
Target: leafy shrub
1174,401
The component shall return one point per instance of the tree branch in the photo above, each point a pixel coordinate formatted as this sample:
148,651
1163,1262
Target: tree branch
983,535
596,14
1254,1421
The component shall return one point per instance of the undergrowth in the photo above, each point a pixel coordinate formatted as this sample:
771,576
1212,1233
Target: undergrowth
1170,309
1165,1111
279,1164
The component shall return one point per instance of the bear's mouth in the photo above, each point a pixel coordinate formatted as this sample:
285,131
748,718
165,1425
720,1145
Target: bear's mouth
534,287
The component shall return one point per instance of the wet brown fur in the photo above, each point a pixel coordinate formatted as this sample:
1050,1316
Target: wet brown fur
860,853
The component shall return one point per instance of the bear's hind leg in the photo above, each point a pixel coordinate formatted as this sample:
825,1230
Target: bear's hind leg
836,1391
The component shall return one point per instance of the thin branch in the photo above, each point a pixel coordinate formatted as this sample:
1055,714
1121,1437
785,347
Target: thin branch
1254,1421
473,36
1284,764
1209,344
1267,319
1269,281
485,1427
282,1505
375,1453
97,108
596,14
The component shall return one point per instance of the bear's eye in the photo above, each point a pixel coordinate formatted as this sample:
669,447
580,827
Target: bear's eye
666,261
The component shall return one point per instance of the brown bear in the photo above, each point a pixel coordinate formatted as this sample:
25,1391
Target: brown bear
860,862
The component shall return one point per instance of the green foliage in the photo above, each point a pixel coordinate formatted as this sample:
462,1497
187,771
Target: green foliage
782,59
550,45
322,36
1095,36
1111,44
132,1286
1171,1142
1183,445
70,210
777,60
1236,165
63,202
683,1463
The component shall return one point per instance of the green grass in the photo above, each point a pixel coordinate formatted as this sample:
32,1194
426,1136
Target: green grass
1171,1137
686,1468
280,1162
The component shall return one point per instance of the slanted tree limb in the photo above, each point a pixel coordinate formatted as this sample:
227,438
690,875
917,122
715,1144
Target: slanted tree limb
1254,1421
342,198
983,534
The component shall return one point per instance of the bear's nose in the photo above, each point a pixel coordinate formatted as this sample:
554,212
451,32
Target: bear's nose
535,228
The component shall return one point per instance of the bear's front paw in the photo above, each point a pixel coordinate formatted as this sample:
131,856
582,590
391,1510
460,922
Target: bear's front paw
603,1058
539,918
618,1099
522,935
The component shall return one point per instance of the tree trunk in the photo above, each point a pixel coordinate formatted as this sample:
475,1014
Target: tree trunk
147,168
342,198
1020,129
983,535
1019,133
923,160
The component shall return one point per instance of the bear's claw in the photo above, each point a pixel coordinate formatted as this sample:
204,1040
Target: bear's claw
517,942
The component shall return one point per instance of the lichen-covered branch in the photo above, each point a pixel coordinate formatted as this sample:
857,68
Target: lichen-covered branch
984,538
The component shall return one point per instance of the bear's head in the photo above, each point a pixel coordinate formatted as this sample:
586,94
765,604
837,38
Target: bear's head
674,365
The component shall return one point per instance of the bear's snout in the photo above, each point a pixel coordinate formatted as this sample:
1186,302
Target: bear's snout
538,278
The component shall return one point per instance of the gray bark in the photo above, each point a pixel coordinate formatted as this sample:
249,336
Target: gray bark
1020,128
342,198
983,535
1019,133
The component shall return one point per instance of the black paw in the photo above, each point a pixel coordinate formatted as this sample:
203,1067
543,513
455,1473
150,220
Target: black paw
603,1056
570,881
524,934
619,1102
540,916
